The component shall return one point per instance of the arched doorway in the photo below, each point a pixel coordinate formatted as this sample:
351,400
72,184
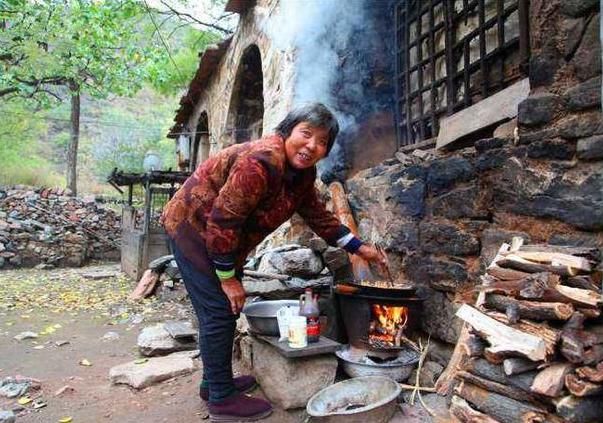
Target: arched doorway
246,113
201,144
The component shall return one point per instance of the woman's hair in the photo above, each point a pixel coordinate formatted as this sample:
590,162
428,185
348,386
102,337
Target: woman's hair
317,115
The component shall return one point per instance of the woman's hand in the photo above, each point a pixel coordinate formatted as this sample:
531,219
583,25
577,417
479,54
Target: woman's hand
373,255
236,294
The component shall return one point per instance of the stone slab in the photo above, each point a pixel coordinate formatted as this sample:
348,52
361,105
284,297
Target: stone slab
153,371
496,108
179,330
323,346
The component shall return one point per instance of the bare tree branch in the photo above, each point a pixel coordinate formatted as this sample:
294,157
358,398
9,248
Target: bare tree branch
190,18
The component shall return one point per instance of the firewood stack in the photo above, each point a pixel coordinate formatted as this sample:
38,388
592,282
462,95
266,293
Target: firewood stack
532,347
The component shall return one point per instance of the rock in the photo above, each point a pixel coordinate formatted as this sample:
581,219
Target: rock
430,371
335,258
491,240
491,159
442,238
440,352
543,67
298,284
302,262
290,383
444,173
527,136
110,336
555,149
486,144
459,203
153,371
180,329
317,244
590,148
587,59
407,193
537,109
269,289
439,318
26,335
399,236
505,131
430,271
7,416
577,8
584,95
156,340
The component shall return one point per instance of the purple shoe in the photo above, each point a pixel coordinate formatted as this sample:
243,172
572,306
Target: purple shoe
243,384
239,408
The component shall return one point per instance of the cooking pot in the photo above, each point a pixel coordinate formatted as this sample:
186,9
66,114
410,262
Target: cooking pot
261,315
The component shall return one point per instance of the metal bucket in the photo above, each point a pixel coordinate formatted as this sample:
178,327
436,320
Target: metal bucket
358,400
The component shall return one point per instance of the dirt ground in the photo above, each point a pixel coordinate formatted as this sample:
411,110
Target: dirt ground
62,305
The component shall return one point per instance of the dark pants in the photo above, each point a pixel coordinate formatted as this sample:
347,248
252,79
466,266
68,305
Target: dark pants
216,326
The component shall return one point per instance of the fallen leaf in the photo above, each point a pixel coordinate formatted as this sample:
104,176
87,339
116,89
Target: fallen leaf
65,420
141,361
85,362
24,400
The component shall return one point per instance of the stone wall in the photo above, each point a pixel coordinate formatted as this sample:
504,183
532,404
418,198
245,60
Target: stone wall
442,216
277,73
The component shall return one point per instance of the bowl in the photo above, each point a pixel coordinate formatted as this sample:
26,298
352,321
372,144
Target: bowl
358,400
261,315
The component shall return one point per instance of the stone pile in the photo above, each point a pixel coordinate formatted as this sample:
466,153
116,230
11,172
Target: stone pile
49,227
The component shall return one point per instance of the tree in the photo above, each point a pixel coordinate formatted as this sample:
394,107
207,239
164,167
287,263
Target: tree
51,49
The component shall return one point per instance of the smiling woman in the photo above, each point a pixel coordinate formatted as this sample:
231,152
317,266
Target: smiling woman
225,209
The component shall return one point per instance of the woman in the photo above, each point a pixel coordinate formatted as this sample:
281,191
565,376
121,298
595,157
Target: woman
226,208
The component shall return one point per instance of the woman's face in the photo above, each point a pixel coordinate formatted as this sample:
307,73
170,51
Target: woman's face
306,145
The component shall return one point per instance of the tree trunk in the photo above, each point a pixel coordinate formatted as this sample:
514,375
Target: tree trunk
74,138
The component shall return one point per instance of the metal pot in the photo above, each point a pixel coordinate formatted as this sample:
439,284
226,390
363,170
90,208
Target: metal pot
398,370
261,315
359,400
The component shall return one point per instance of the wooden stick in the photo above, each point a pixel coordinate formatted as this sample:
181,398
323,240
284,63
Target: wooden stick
419,388
575,264
461,409
502,338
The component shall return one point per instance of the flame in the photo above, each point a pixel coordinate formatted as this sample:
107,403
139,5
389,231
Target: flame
387,325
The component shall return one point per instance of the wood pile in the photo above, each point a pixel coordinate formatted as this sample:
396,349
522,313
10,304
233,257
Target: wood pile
47,227
532,346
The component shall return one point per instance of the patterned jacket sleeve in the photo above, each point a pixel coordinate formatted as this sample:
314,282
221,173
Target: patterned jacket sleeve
324,223
246,184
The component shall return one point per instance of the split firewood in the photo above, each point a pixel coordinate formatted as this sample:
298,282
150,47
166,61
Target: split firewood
146,286
584,282
500,407
502,338
461,409
573,264
499,388
594,374
531,309
550,381
590,253
593,355
506,274
576,409
581,346
515,365
582,388
474,347
589,313
495,372
513,261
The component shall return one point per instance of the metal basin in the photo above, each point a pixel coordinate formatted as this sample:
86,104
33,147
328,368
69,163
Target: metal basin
358,400
261,315
398,369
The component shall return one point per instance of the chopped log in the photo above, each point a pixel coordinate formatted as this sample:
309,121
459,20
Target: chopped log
590,253
502,338
513,261
594,374
495,372
461,409
548,334
579,296
582,388
514,366
146,286
578,410
550,381
584,282
593,355
575,344
474,347
589,313
498,406
499,388
495,357
505,274
531,309
574,264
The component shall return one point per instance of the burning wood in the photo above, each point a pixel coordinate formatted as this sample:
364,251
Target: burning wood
387,327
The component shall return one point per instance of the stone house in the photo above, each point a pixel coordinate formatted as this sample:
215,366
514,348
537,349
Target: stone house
464,123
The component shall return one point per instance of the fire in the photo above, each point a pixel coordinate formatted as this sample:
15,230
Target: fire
387,325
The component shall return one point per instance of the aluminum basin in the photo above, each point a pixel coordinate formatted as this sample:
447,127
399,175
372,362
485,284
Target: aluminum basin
261,315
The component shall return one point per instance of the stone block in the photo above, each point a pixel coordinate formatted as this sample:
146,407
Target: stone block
443,238
543,67
317,244
269,289
555,149
486,144
440,352
491,240
400,237
153,371
581,125
537,109
156,340
459,203
335,258
506,131
290,383
585,95
407,192
491,159
435,272
587,59
442,174
577,8
439,318
590,148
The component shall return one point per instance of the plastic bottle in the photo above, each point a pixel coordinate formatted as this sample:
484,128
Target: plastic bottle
308,307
